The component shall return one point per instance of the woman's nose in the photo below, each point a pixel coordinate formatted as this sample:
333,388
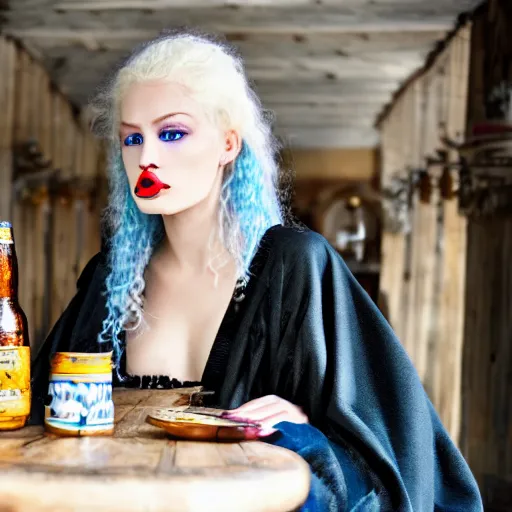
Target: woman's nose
149,155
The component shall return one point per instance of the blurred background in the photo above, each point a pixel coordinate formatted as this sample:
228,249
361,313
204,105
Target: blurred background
396,117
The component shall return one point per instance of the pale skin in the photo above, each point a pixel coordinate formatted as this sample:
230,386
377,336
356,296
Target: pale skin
163,125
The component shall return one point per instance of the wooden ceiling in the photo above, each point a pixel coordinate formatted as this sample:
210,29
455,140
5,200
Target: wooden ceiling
325,67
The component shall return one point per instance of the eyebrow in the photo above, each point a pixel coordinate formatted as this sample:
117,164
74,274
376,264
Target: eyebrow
157,120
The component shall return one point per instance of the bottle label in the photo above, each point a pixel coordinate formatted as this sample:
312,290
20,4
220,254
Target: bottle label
9,359
10,394
14,382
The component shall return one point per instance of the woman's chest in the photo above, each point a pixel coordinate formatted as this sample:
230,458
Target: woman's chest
177,332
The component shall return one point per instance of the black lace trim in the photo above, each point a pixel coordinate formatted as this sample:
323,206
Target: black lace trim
151,382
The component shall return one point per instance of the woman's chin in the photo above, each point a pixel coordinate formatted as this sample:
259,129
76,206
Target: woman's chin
157,206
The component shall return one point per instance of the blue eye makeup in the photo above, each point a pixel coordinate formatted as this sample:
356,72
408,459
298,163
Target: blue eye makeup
168,135
135,139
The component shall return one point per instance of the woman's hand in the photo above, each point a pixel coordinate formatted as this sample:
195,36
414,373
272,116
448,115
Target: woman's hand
267,411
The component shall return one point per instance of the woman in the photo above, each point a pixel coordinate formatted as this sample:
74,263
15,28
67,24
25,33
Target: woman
201,282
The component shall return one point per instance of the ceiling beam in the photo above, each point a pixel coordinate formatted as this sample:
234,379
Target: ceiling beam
67,35
401,46
337,119
272,26
325,111
324,88
404,50
290,91
235,9
82,89
254,44
315,98
345,66
388,70
323,137
315,101
107,5
291,125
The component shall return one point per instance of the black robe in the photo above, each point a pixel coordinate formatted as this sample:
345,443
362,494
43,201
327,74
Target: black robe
308,332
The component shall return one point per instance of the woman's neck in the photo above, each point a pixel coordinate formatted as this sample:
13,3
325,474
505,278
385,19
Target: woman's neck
192,237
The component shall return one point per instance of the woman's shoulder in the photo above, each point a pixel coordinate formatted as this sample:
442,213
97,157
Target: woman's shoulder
297,244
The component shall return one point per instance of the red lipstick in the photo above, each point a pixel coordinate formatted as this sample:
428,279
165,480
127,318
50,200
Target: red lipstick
149,185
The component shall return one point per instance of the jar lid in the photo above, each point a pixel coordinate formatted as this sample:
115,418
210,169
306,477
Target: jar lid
81,362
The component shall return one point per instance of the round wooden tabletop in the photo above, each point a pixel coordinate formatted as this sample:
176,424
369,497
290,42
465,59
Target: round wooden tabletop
141,469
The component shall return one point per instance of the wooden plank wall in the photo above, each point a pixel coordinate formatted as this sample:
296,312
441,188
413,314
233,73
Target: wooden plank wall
444,377
487,363
423,265
8,63
394,159
49,169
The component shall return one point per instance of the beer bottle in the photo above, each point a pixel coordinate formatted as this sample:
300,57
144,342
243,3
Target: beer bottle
14,344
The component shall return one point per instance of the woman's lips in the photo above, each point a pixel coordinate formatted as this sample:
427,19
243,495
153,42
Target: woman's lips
148,185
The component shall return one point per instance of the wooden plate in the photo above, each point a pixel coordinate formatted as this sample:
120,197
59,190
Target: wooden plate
186,425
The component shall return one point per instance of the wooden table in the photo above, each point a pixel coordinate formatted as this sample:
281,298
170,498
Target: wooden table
141,469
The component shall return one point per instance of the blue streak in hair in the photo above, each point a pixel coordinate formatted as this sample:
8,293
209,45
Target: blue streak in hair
253,200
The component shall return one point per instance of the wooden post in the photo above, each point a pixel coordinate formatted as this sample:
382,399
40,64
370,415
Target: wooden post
486,433
487,436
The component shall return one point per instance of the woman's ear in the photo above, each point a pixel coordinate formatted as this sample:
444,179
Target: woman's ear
232,146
